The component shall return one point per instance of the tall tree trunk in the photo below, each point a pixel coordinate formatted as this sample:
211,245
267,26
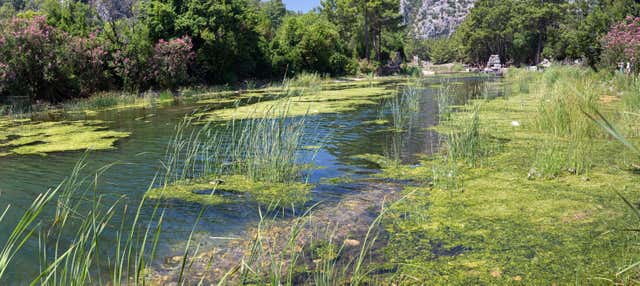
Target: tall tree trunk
367,47
538,49
379,50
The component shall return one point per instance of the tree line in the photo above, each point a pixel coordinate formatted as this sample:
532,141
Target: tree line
54,50
523,32
57,49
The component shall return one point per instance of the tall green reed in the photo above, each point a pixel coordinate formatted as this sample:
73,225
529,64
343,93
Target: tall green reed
445,100
265,148
465,143
404,108
85,258
262,148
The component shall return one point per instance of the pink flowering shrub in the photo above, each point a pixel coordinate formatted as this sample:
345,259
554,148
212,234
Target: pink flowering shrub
131,65
45,63
88,58
622,43
171,60
32,65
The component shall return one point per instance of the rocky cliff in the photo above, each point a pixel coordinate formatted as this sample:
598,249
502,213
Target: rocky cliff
434,18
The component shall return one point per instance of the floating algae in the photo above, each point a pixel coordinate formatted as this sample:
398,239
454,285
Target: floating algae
212,190
322,102
26,137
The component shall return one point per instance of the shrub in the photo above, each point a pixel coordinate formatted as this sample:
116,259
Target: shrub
171,61
36,63
44,63
89,58
367,67
622,43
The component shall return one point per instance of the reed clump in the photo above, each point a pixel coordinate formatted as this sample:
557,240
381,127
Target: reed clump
258,155
404,107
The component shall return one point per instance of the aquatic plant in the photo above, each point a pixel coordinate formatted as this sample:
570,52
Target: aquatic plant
560,109
562,95
255,155
24,229
444,234
465,143
83,259
445,99
404,107
265,148
27,137
312,103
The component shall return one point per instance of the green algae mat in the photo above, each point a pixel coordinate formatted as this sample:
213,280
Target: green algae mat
215,190
312,103
25,137
496,221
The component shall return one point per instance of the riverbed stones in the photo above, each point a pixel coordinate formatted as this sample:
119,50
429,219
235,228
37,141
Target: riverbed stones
351,242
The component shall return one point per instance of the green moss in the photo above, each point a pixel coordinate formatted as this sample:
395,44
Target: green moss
216,101
499,225
322,102
27,137
211,190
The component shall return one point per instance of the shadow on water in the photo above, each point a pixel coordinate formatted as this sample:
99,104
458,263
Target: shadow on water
139,156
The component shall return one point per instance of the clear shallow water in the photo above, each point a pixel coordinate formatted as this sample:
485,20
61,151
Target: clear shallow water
138,158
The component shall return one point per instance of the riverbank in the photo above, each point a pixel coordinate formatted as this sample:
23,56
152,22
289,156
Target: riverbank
72,126
36,132
525,190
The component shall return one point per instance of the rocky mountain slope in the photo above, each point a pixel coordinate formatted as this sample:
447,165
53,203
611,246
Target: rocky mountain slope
434,18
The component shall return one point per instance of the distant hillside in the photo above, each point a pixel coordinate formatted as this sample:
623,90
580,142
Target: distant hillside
434,18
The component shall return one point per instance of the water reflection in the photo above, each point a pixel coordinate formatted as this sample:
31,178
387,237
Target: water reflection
22,178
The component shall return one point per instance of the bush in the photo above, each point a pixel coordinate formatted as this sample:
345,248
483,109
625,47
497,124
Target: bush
622,43
171,61
367,67
45,63
308,42
89,57
36,62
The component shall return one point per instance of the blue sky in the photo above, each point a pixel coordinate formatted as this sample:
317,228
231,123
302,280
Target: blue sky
301,5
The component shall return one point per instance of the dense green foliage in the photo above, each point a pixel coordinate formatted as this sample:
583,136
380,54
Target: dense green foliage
308,43
54,50
137,45
522,32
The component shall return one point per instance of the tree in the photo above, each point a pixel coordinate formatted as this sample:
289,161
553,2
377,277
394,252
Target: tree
273,12
307,42
74,17
370,28
586,23
225,35
516,30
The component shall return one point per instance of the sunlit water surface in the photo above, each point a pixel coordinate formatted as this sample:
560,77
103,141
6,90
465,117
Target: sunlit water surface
137,160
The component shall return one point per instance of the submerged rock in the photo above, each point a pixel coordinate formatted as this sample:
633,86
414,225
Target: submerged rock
312,243
351,242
